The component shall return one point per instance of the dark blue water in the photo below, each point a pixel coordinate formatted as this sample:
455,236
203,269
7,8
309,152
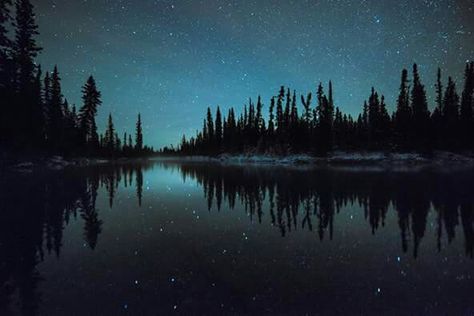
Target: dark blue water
162,238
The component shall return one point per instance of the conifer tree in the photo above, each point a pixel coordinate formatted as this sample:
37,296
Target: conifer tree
36,117
403,112
279,112
5,42
294,112
259,122
467,102
91,99
139,135
420,111
55,111
271,124
6,75
218,129
110,136
307,109
25,47
451,114
5,48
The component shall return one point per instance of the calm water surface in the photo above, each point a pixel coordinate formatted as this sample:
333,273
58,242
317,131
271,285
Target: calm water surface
163,238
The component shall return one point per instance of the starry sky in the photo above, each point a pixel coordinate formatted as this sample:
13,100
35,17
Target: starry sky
170,60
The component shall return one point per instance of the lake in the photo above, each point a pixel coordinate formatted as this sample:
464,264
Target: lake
168,237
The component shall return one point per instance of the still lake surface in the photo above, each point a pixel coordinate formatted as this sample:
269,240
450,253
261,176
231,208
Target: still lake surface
164,237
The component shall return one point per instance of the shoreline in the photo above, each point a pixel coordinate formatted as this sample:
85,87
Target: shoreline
338,159
354,160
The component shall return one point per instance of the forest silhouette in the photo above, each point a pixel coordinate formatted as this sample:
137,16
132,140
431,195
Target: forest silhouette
322,127
36,117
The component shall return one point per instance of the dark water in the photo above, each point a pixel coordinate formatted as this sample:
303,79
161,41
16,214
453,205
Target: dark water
171,238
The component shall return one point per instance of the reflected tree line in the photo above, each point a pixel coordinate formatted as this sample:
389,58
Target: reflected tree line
34,211
311,199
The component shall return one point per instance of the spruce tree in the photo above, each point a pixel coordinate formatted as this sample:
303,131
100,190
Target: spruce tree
259,122
55,112
7,107
451,115
25,46
25,49
279,112
36,117
271,124
210,129
5,42
5,48
139,135
110,136
466,114
91,99
421,115
219,133
403,112
307,109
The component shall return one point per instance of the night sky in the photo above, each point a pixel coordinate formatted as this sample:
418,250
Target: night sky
169,60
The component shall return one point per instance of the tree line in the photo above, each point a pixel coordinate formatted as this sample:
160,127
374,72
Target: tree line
36,117
316,125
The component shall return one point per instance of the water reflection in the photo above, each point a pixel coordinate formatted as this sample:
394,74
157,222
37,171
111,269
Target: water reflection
312,198
35,209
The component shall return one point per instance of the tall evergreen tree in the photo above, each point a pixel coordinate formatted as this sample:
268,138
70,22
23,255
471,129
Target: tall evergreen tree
403,112
326,117
219,132
279,112
259,122
451,115
5,42
110,136
467,102
5,47
91,98
271,123
55,112
36,117
307,109
420,111
6,75
437,118
25,47
210,128
139,135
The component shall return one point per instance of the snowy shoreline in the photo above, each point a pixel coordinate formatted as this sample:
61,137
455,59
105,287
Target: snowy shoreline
356,160
340,159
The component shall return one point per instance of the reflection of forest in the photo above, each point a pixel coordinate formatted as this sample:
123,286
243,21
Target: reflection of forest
33,212
311,198
34,209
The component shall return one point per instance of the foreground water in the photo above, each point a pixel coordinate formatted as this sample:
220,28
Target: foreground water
162,238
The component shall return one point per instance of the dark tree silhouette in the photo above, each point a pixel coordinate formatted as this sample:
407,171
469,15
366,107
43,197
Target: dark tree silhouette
324,127
403,112
35,117
139,135
91,99
110,136
24,50
55,112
